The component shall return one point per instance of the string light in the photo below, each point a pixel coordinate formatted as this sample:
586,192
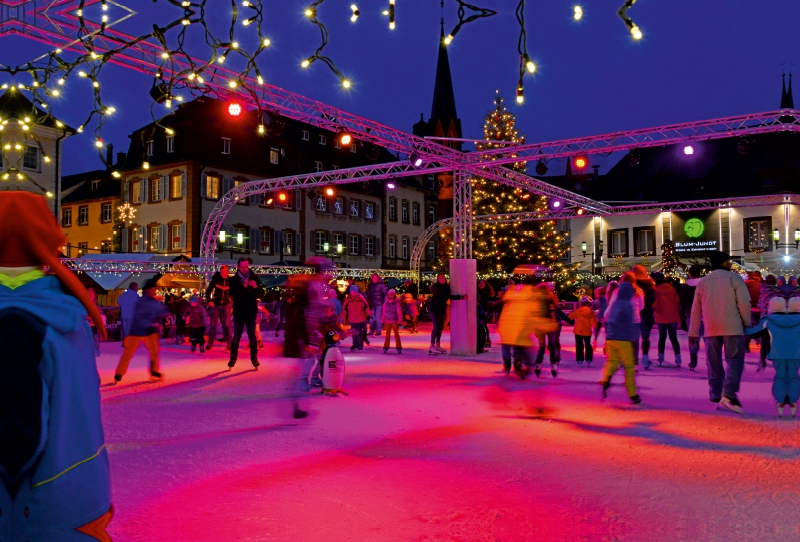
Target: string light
577,13
477,13
623,14
356,13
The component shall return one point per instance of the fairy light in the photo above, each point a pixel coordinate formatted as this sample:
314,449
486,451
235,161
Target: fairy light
267,42
577,13
356,13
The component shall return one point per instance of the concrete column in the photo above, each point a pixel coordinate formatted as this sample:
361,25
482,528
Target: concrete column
463,319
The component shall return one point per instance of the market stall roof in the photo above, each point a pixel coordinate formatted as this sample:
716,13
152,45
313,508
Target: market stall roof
117,281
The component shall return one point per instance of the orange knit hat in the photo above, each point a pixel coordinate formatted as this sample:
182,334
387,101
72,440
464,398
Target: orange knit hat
30,236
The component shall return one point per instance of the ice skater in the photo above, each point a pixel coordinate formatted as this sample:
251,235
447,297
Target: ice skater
246,290
621,335
391,317
667,315
784,332
197,318
584,322
356,311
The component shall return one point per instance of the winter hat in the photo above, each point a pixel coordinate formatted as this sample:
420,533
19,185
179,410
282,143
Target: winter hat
717,258
354,288
794,304
640,272
391,291
194,299
586,300
777,305
32,237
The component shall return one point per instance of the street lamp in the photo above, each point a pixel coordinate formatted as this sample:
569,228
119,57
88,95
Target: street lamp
776,236
584,248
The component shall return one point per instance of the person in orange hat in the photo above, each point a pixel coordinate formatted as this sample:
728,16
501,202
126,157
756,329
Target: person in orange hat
54,479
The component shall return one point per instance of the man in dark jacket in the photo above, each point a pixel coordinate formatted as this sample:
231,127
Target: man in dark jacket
376,295
246,290
687,298
220,302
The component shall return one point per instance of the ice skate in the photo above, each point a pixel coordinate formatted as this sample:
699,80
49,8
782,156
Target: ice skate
793,409
202,349
507,365
554,369
385,350
580,363
779,407
193,349
519,369
733,404
155,375
660,360
432,351
117,378
635,399
646,362
231,363
254,361
692,362
537,369
439,348
605,385
399,350
678,360
298,413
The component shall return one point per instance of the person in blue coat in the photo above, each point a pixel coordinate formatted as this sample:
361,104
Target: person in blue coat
54,474
784,330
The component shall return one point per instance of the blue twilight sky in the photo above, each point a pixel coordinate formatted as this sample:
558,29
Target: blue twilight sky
697,60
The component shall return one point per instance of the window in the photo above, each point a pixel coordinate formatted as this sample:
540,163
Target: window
355,208
105,247
334,168
156,187
392,247
317,166
150,148
226,145
758,232
369,246
136,192
170,143
212,187
266,241
415,214
369,211
404,208
336,143
320,238
304,136
105,212
353,147
83,248
322,204
95,185
338,206
355,244
274,156
287,243
338,239
618,242
177,240
405,248
431,250
431,214
323,140
66,217
154,239
644,241
83,215
176,186
431,182
30,159
392,209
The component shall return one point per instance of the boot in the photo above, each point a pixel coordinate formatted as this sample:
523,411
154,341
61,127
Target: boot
537,369
678,360
507,365
692,362
519,369
155,375
606,385
254,361
554,369
231,363
635,399
299,413
660,358
646,361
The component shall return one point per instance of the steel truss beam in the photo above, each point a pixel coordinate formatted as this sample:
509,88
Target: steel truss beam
720,203
660,136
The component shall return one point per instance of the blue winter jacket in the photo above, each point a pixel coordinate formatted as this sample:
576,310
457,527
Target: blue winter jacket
65,484
146,314
784,330
619,317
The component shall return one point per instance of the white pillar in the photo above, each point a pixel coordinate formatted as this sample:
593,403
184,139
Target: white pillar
463,320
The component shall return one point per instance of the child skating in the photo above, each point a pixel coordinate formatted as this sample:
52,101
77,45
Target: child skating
784,331
621,334
197,318
584,321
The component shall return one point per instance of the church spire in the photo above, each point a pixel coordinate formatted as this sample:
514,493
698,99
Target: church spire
787,100
444,100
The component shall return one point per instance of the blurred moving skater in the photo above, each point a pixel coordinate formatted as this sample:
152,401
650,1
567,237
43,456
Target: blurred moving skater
621,335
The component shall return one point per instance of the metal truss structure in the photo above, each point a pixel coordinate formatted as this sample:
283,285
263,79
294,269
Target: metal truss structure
462,216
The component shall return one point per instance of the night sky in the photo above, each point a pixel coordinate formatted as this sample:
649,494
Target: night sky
697,60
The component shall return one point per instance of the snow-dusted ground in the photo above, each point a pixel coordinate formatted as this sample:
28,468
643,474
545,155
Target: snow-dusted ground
442,448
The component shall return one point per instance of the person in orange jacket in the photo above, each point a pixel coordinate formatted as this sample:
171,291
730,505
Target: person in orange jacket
667,314
584,321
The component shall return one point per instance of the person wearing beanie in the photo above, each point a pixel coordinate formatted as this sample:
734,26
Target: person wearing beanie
783,329
584,321
667,315
54,472
722,306
647,319
145,328
196,316
621,334
391,316
356,310
246,290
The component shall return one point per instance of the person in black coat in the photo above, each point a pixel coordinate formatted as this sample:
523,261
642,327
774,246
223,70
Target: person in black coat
246,290
437,306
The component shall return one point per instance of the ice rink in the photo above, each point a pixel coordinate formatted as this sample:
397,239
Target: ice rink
430,448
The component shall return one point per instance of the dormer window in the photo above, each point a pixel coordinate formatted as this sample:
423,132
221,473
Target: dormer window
95,185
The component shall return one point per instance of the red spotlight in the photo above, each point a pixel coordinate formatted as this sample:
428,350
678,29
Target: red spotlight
235,109
283,197
579,212
329,192
581,162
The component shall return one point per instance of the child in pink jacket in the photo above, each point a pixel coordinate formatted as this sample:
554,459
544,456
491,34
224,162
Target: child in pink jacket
391,316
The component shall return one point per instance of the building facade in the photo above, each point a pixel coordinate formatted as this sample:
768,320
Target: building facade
90,213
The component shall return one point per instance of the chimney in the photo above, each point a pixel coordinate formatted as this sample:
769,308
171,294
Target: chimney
122,157
109,155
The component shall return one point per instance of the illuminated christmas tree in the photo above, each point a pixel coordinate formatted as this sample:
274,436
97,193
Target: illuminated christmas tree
501,247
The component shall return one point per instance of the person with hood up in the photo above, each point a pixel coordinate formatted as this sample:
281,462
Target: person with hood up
147,316
437,307
392,316
356,310
621,334
767,291
376,295
647,320
686,299
54,473
722,304
667,315
584,321
196,316
784,352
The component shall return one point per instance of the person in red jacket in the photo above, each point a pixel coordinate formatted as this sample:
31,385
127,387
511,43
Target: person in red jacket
667,313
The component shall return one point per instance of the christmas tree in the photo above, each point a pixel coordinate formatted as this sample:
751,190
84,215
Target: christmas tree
501,247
